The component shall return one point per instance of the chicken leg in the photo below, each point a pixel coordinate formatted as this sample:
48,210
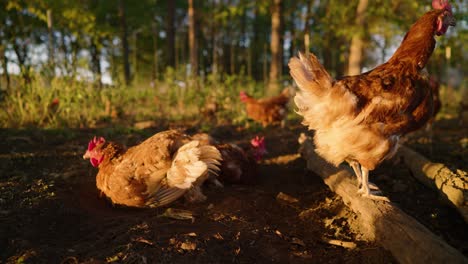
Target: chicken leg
365,190
357,171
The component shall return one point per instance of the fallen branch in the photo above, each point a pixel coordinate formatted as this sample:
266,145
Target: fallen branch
341,243
407,239
453,187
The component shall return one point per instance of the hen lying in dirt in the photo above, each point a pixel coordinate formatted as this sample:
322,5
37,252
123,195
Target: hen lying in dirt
360,119
154,173
238,165
267,111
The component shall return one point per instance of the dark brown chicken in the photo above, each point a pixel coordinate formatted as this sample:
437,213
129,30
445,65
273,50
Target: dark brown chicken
266,111
238,165
241,165
156,172
359,119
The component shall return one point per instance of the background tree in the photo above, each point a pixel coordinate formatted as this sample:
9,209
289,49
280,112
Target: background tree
357,42
124,40
192,39
275,45
170,33
101,40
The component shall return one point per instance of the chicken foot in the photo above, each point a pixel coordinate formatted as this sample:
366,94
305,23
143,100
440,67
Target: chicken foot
357,171
365,190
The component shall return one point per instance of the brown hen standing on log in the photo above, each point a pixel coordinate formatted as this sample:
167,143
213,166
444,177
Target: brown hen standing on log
154,173
359,119
267,111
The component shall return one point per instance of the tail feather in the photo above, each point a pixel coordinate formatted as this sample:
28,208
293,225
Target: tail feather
319,100
191,163
310,75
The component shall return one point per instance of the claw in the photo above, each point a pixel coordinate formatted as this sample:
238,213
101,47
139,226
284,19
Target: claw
374,187
375,197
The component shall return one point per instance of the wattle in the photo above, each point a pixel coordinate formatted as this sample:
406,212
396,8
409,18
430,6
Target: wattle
441,28
95,162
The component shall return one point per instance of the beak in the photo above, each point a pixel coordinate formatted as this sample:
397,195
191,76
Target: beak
451,21
86,155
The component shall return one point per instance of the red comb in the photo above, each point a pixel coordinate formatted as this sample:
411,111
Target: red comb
94,142
258,141
243,96
441,4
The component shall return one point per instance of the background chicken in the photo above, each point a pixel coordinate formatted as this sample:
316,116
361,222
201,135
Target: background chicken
359,119
209,110
266,111
154,173
239,164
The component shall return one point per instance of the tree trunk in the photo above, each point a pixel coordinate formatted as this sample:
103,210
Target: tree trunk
155,52
192,39
134,39
265,63
357,42
65,64
124,39
75,48
292,29
4,64
170,31
306,30
21,51
51,42
96,63
214,40
275,46
249,61
256,47
242,36
232,57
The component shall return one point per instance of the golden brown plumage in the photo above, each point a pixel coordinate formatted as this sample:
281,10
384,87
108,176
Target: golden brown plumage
266,111
360,118
154,173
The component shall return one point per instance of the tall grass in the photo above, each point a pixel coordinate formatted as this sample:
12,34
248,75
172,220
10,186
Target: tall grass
67,103
62,102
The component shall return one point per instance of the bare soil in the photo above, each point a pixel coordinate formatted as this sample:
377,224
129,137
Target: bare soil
51,212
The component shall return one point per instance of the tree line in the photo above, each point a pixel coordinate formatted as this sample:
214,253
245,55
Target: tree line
133,41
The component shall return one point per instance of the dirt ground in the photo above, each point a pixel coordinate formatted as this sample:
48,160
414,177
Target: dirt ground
51,212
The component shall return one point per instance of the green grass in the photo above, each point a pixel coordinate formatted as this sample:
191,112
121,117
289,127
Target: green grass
174,98
81,105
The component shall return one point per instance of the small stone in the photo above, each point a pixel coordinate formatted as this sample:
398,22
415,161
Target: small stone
188,246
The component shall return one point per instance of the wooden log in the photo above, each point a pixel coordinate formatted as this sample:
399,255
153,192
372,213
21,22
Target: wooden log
383,222
452,186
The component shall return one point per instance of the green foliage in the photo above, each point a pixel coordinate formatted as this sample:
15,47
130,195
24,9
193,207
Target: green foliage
68,103
232,37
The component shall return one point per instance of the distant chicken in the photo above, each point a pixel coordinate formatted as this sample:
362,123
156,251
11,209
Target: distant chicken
154,173
209,110
238,165
267,111
241,165
52,109
360,119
